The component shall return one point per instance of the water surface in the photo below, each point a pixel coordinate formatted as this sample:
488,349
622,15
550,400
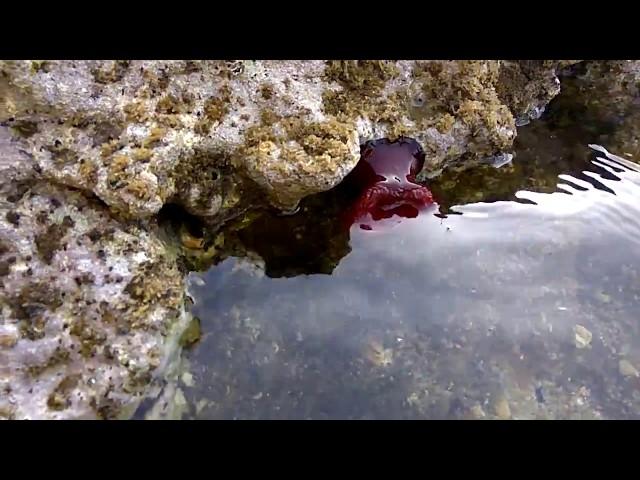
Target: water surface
510,309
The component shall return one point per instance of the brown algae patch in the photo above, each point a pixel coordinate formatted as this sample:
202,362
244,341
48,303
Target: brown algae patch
49,242
214,110
361,96
464,90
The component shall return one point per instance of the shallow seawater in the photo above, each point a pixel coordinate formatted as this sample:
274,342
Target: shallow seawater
525,307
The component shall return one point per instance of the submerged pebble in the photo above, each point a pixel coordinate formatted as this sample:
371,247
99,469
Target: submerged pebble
582,336
502,409
378,355
187,379
626,369
477,412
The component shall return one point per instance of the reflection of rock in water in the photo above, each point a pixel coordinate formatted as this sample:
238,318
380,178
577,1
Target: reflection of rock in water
600,101
312,241
472,316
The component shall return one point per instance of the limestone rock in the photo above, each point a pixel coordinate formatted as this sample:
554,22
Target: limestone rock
92,309
221,136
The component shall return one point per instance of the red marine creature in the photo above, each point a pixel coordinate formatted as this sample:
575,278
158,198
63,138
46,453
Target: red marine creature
385,175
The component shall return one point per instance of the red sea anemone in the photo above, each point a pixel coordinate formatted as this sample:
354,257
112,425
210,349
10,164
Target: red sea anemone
385,176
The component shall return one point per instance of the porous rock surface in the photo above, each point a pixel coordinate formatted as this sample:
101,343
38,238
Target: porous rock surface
214,135
92,308
92,298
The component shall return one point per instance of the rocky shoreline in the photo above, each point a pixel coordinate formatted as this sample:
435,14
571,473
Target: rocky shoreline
93,296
